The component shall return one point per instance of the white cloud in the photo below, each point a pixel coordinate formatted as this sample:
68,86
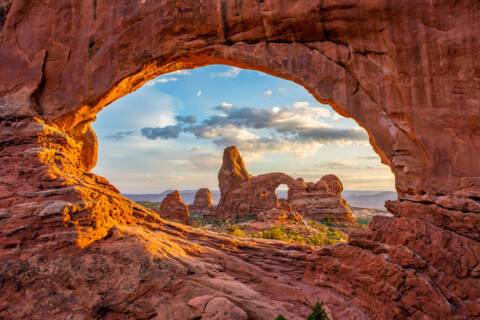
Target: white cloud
184,72
199,93
174,177
160,80
230,132
225,106
232,72
268,93
206,161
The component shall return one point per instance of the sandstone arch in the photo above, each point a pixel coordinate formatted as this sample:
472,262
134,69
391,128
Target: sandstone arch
406,72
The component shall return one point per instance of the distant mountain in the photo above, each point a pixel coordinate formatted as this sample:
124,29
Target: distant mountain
187,195
356,198
369,199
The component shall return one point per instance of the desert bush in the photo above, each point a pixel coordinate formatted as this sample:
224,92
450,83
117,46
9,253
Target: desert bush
322,236
277,233
318,313
335,236
237,231
327,221
318,226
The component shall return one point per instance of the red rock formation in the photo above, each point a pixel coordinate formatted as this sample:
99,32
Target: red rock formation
174,208
233,171
72,247
321,200
256,195
202,203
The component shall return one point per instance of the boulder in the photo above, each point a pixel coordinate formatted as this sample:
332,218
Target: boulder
174,208
223,309
202,203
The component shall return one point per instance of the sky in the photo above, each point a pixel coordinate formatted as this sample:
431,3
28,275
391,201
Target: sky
170,133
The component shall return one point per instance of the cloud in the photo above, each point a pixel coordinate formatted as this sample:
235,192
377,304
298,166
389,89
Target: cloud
181,73
339,164
301,129
206,161
301,121
168,132
199,93
121,134
232,72
160,80
369,158
186,119
268,93
255,147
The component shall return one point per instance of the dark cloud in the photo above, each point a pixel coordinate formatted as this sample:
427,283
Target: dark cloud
186,119
329,134
121,134
301,123
168,132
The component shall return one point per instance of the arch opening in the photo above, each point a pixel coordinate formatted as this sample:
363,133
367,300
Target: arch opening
187,117
162,117
282,192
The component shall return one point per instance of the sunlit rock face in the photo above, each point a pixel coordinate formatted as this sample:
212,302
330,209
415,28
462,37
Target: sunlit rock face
72,247
232,173
243,195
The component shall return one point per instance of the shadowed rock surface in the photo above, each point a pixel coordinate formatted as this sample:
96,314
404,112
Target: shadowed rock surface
72,247
202,203
174,208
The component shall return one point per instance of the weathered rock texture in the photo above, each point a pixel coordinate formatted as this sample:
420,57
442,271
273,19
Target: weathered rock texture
71,246
320,200
232,173
174,208
243,194
202,203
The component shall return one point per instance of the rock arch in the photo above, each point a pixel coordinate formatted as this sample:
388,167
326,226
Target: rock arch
406,72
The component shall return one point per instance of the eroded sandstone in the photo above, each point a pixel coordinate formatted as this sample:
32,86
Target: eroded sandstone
202,203
174,208
243,194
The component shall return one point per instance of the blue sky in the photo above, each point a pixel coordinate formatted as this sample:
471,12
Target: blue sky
170,133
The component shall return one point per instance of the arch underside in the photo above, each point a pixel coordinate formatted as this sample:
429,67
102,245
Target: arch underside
399,69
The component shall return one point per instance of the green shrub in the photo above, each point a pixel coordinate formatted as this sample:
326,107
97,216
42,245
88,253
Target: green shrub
277,233
280,317
327,221
335,236
318,313
237,231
